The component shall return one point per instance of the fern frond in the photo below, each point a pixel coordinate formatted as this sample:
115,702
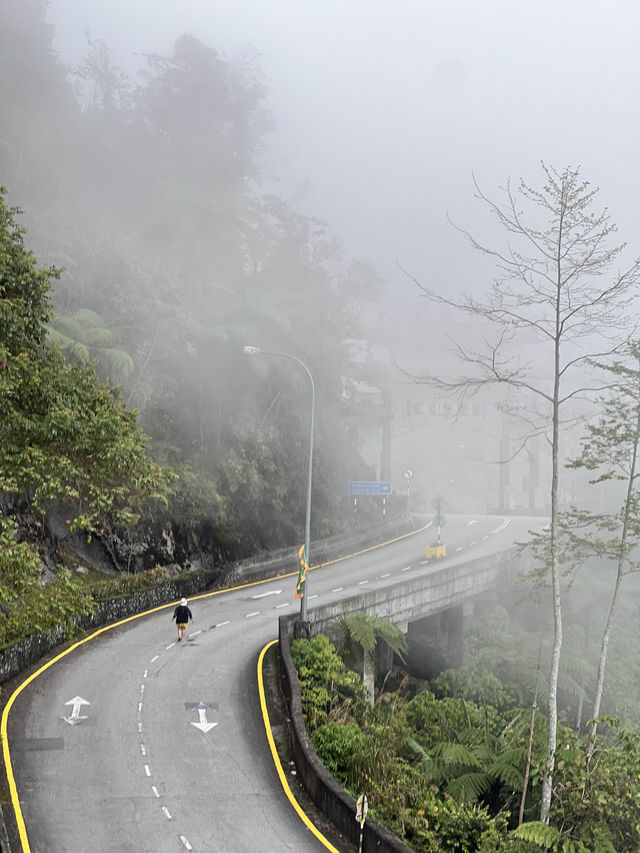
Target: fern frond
469,786
540,833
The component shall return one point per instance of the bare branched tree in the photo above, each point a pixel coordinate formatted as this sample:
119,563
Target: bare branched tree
556,305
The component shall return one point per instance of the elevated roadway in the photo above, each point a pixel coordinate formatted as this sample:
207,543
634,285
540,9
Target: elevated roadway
131,741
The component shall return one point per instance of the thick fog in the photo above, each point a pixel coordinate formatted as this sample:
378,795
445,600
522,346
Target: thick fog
184,188
383,110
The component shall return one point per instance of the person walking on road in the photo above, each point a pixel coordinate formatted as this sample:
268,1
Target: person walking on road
182,614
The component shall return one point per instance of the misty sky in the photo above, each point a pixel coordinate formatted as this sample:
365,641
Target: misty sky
384,109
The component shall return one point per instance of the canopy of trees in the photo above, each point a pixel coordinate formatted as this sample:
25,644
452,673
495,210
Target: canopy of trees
146,196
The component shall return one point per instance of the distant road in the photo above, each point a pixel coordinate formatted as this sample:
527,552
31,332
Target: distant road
133,742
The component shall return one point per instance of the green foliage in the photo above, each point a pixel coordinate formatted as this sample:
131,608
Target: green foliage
26,605
115,587
367,630
327,685
65,437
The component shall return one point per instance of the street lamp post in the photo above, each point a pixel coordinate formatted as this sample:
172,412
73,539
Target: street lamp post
250,350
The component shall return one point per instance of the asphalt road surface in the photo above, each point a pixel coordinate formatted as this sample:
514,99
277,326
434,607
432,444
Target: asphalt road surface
134,742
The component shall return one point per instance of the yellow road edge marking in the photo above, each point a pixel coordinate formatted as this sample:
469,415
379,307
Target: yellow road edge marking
15,800
276,758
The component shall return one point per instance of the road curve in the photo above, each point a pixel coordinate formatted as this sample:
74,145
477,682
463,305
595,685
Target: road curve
132,741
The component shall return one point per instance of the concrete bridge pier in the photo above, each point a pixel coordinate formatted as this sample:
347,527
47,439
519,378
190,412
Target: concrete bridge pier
436,642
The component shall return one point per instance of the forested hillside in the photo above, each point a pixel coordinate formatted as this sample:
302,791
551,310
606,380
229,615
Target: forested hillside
146,194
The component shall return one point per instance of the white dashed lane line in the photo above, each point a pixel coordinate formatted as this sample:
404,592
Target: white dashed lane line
406,568
185,843
386,575
362,583
278,606
338,589
220,624
147,770
156,793
167,813
459,549
154,659
253,613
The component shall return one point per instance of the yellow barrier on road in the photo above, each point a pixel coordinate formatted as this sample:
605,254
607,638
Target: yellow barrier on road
434,552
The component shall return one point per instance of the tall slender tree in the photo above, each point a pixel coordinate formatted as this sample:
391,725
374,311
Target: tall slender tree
548,314
610,452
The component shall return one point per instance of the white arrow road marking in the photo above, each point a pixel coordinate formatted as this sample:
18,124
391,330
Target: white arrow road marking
202,724
265,594
75,717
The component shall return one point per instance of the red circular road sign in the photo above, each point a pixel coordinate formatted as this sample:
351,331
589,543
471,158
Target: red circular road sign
407,473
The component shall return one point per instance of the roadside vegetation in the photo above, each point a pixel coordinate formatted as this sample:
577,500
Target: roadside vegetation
457,763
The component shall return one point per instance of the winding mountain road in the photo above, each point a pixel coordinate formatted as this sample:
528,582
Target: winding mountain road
132,741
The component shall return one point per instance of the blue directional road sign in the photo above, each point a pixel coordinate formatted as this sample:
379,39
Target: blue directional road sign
369,487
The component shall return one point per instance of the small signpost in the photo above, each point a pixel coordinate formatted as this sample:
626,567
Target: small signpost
362,807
